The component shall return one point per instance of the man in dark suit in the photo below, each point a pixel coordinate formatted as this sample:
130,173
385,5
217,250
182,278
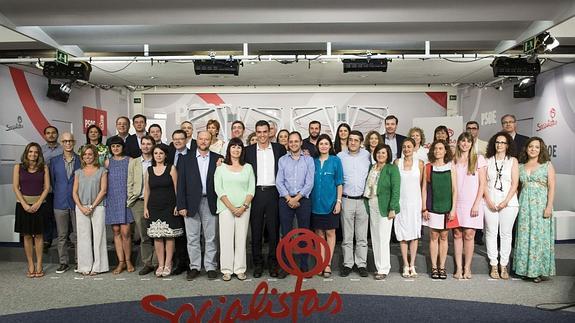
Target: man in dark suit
176,151
509,125
122,130
264,156
197,203
133,141
391,138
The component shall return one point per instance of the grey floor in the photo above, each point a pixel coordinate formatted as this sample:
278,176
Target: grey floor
21,294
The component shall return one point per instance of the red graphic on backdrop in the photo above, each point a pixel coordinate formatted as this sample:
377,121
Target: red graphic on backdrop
261,305
27,99
97,117
439,98
549,123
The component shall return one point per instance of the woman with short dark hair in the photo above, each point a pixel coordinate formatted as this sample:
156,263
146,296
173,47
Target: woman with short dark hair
118,215
235,185
382,192
31,184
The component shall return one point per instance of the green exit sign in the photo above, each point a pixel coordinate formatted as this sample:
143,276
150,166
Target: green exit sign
61,57
137,100
529,46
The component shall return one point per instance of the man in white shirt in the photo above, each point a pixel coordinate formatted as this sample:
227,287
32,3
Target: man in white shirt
264,157
473,128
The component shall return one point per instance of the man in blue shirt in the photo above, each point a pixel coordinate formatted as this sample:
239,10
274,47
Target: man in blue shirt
354,217
50,150
294,182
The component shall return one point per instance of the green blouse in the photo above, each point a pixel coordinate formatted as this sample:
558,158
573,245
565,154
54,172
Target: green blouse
387,190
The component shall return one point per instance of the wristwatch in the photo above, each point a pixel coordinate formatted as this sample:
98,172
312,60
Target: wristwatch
246,206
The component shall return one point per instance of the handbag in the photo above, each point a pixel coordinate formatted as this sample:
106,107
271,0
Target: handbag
451,224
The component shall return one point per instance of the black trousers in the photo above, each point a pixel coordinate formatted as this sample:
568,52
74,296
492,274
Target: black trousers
181,258
264,215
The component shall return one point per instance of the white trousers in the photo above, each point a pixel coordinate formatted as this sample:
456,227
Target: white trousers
380,228
233,239
499,223
91,236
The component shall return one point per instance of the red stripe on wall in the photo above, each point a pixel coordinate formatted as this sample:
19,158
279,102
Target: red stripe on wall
27,99
211,98
439,97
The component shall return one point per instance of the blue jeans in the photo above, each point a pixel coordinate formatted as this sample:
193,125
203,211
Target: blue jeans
303,214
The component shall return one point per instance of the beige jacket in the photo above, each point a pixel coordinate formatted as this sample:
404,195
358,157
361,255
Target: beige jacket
135,179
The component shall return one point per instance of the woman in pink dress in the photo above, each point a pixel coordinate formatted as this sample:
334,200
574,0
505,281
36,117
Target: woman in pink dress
471,179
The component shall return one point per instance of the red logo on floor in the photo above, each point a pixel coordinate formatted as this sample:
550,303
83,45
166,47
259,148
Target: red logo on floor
301,241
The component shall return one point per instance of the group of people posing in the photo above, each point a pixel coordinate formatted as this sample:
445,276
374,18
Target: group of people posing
207,190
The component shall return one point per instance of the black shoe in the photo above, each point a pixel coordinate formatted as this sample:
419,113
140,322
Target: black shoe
442,273
345,271
212,274
281,274
275,272
62,269
363,272
258,271
179,270
146,270
192,274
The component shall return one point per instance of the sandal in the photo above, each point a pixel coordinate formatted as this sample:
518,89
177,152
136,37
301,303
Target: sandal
458,274
537,280
159,271
406,273
130,267
504,274
434,273
30,274
167,271
39,273
494,274
442,273
120,268
327,272
467,273
412,272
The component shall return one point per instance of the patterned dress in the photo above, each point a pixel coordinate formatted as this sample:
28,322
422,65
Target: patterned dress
534,249
117,211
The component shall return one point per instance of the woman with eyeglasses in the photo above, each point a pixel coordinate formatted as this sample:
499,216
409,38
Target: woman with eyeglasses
501,205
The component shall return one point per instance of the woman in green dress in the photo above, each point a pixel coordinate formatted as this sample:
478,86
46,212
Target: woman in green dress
94,137
534,255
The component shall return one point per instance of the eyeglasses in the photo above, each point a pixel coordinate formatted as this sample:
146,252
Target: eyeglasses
501,143
68,141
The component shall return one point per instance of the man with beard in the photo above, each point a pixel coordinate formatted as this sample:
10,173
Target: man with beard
308,145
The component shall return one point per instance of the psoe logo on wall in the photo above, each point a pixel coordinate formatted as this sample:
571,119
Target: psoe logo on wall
551,122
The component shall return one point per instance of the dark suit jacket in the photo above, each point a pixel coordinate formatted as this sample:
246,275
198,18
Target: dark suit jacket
132,146
172,150
251,157
190,185
398,142
519,142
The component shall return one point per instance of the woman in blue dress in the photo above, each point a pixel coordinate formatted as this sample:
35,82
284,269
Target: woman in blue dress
326,195
118,215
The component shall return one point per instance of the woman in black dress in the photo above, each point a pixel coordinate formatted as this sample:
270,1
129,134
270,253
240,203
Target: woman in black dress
160,208
31,183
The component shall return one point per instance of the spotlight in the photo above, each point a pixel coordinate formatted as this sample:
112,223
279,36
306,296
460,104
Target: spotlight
547,42
506,66
525,88
364,65
59,92
217,67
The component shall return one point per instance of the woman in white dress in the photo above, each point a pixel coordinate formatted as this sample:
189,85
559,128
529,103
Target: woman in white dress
407,223
217,145
419,151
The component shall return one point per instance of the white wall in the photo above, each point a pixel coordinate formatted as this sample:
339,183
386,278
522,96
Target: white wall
64,115
549,115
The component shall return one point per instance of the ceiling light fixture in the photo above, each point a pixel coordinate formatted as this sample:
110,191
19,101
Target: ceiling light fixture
364,65
217,66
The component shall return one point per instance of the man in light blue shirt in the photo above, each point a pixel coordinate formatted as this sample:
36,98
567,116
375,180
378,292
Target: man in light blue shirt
354,217
294,182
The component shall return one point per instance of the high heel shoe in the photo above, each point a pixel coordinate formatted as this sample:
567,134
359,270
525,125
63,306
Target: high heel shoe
504,274
159,271
494,273
405,273
458,274
412,272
